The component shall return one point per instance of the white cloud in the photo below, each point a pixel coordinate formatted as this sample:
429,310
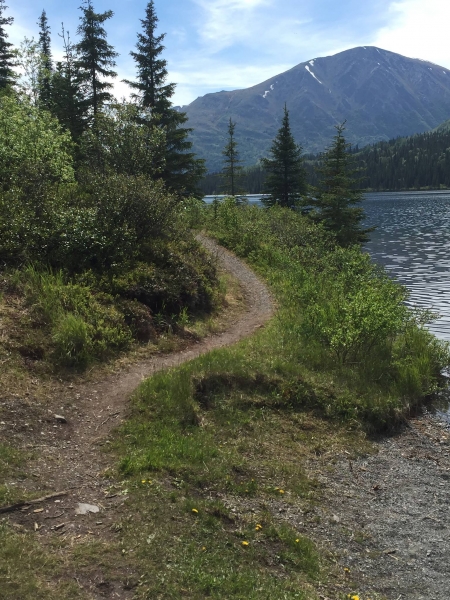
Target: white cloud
229,21
418,29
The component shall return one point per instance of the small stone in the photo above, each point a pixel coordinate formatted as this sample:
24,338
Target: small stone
335,519
60,419
84,509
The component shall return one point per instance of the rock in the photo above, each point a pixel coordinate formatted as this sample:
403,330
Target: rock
84,509
335,519
60,419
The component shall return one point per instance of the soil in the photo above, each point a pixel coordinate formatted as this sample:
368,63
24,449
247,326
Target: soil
384,518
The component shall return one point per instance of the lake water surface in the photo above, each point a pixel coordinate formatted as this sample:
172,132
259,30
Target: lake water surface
412,241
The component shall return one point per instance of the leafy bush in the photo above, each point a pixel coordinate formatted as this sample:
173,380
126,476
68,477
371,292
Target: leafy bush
34,149
180,275
124,142
361,310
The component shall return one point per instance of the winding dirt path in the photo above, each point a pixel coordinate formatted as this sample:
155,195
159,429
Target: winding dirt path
70,457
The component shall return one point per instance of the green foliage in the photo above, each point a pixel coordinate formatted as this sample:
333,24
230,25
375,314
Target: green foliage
7,62
363,309
119,219
337,197
34,150
46,68
181,170
95,57
286,178
151,88
82,325
68,91
35,162
178,275
124,142
417,162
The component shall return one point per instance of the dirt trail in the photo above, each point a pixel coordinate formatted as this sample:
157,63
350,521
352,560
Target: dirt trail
70,455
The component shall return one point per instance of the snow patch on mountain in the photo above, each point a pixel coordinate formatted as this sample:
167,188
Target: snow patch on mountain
311,73
267,92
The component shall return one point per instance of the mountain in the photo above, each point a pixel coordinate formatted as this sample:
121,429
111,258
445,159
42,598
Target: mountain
381,95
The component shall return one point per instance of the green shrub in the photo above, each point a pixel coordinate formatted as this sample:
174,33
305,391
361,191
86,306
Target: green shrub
83,325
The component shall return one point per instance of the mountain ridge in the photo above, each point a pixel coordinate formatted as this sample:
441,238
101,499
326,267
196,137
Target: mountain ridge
379,93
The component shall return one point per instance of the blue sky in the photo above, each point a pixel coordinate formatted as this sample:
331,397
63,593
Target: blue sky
212,45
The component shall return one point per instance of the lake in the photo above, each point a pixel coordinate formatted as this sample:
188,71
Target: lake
412,241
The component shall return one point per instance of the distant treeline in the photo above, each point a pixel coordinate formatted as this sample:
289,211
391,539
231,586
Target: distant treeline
412,163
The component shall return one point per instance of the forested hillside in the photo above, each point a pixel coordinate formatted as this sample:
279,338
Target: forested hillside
419,161
411,163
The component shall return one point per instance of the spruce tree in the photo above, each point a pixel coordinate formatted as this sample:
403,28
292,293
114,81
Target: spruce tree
286,175
182,170
46,67
67,90
232,170
95,57
152,91
7,63
337,197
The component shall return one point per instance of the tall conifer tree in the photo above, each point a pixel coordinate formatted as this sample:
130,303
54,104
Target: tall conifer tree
337,197
286,175
67,90
96,57
46,67
182,169
232,170
6,55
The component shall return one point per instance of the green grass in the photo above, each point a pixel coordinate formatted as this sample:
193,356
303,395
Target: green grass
29,573
221,436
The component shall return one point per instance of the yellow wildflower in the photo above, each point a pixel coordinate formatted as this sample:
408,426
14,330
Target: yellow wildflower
245,543
194,510
281,491
143,481
297,541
